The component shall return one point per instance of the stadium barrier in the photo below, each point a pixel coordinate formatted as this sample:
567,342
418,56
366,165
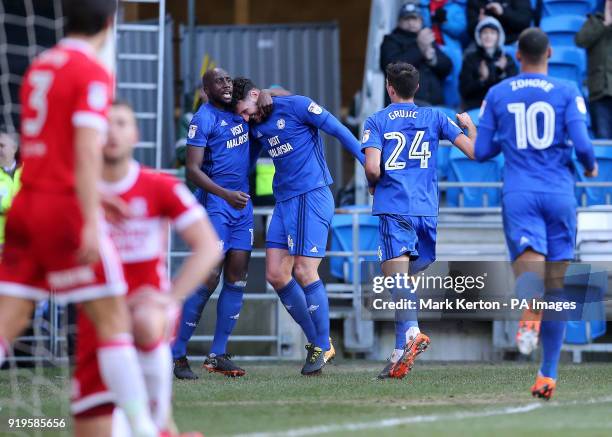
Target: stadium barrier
50,327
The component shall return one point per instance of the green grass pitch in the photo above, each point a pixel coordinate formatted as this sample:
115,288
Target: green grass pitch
434,400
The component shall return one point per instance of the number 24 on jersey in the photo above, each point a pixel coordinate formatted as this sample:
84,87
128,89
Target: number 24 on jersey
418,150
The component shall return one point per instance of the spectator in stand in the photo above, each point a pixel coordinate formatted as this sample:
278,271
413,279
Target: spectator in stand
10,173
412,43
514,15
596,37
448,22
485,66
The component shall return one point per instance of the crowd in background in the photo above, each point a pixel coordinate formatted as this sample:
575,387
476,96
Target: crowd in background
483,30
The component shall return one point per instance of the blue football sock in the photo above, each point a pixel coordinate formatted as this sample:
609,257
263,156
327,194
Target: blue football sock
552,333
293,298
318,307
529,286
192,311
405,318
228,311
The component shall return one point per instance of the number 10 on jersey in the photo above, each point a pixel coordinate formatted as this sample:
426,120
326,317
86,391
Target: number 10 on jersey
393,162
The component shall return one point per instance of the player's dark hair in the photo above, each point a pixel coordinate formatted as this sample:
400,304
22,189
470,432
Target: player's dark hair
404,78
87,17
242,87
533,44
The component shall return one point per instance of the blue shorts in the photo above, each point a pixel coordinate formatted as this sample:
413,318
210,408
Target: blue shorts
544,222
233,226
411,235
301,224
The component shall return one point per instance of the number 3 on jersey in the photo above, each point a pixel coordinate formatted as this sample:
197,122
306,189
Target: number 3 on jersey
40,82
423,155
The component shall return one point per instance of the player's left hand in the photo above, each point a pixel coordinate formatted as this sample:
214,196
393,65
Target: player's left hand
593,173
372,189
465,121
264,103
115,208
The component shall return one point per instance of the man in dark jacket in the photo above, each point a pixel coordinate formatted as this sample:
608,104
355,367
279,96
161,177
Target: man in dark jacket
596,37
485,66
514,15
412,43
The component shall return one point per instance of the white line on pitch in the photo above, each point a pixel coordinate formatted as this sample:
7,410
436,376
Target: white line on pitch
397,421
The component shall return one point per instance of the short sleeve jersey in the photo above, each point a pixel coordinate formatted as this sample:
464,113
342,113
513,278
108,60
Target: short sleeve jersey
66,87
408,138
225,137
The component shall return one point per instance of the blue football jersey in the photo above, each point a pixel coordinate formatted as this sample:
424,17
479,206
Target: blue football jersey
407,136
225,136
529,114
291,137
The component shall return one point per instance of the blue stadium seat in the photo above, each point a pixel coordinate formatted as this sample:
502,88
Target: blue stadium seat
560,7
568,63
580,278
342,239
562,28
451,84
463,169
511,50
596,195
443,152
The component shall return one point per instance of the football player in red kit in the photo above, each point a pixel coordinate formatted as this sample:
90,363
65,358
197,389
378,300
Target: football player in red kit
154,202
54,231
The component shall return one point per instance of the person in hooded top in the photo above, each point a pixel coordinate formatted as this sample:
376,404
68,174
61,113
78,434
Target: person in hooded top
487,65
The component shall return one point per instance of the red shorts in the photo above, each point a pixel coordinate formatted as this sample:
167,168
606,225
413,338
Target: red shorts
43,233
89,396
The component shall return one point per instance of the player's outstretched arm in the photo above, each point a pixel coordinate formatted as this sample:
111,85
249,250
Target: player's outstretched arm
88,149
194,173
372,165
205,255
466,143
333,127
579,135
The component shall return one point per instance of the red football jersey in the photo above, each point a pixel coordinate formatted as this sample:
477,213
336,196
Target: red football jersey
64,88
154,201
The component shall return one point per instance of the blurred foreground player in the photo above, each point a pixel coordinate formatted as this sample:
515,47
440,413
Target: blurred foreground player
401,145
54,232
533,116
141,239
298,231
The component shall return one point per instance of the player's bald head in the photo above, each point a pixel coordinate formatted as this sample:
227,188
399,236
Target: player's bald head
209,76
217,84
533,46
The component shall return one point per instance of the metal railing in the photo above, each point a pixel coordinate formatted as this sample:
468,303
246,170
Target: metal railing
350,292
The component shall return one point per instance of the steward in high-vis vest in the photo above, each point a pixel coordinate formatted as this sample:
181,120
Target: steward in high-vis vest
10,175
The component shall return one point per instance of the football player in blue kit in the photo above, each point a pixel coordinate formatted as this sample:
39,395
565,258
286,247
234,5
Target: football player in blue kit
401,145
534,115
298,231
217,144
